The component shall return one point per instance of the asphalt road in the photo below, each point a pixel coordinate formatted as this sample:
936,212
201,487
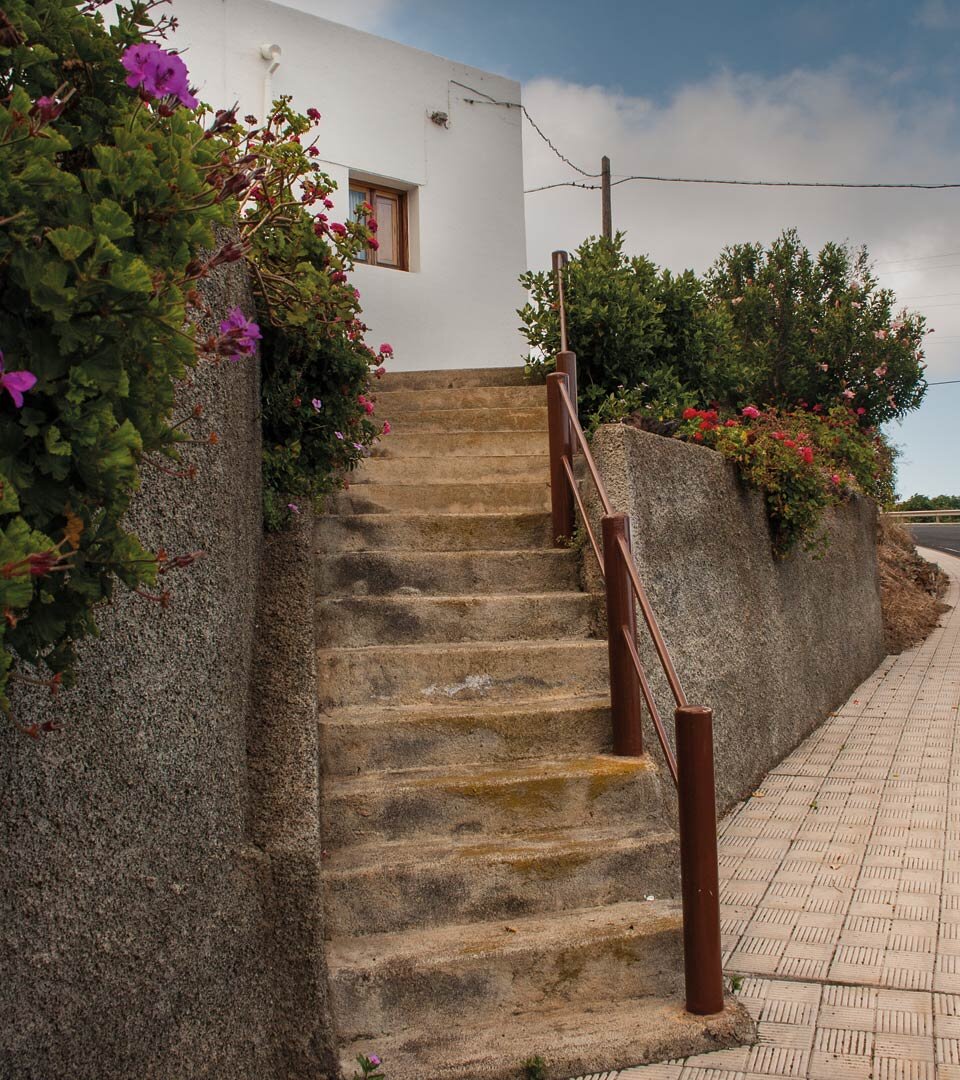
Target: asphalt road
942,537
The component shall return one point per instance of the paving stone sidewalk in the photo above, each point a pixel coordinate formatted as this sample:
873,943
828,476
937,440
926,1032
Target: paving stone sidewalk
840,887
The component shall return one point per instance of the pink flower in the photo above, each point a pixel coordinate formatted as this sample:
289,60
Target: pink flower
381,371
317,404
849,394
880,371
159,74
372,224
807,454
824,367
338,229
373,243
314,115
880,335
338,277
239,335
293,508
386,349
737,300
47,108
834,479
861,411
751,411
729,423
386,427
328,203
373,1059
16,383
339,435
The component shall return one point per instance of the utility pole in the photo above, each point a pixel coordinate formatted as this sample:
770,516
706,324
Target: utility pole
605,198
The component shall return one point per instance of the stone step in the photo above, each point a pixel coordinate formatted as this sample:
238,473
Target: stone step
384,888
592,1040
373,573
529,468
351,621
451,378
488,800
393,983
396,403
532,418
359,740
432,532
455,498
473,671
460,444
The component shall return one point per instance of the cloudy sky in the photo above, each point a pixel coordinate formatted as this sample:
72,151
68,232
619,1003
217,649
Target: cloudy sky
847,90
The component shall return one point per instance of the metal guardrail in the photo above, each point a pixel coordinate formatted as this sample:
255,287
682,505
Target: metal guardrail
916,515
692,767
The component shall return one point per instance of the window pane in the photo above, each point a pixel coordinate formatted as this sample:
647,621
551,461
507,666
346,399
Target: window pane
387,234
357,196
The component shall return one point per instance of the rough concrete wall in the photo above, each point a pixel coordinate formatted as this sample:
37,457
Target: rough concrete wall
771,645
131,930
285,787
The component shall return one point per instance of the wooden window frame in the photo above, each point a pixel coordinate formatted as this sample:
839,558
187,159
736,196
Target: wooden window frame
370,192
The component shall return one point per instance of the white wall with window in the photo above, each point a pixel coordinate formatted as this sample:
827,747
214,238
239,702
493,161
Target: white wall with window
400,131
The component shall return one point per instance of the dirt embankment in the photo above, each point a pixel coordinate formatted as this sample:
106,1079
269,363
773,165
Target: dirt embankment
910,590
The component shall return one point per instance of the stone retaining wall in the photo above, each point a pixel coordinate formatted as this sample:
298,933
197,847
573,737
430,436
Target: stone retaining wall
771,645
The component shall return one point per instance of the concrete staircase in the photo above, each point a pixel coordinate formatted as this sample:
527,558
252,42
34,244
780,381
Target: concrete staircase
496,885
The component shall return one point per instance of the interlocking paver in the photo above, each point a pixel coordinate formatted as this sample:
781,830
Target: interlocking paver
840,888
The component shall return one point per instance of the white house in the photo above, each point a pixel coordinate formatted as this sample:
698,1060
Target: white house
400,128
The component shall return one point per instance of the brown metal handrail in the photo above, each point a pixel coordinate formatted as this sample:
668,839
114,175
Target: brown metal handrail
692,767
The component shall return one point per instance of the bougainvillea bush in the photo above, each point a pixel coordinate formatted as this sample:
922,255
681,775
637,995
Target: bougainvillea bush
118,193
784,362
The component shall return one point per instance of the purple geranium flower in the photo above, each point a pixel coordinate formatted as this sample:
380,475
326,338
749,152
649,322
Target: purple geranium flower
317,404
158,73
16,383
239,335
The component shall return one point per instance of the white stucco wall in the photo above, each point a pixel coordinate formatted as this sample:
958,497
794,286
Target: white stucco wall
456,306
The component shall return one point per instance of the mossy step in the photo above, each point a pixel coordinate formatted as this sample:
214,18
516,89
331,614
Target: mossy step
485,800
452,378
396,403
580,1039
489,468
469,671
379,888
361,739
464,444
375,573
398,620
521,418
394,983
443,498
432,532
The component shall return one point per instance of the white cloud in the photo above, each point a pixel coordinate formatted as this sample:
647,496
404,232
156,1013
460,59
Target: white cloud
938,15
370,15
826,125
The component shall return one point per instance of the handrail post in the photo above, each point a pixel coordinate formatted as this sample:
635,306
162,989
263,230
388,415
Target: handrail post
621,616
560,260
698,861
561,446
567,363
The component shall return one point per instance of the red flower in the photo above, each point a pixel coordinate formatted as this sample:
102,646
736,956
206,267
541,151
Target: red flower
689,414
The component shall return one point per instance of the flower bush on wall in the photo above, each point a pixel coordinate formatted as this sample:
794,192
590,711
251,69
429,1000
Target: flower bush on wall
785,363
114,185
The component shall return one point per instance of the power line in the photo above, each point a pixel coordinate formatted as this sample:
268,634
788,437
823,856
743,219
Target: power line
944,382
536,127
745,183
917,258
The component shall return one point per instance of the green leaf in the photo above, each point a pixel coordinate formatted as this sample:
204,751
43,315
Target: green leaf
71,241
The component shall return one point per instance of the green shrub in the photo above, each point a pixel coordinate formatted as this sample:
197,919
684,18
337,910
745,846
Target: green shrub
633,328
819,330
